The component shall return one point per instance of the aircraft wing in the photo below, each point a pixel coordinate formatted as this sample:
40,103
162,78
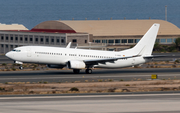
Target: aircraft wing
103,61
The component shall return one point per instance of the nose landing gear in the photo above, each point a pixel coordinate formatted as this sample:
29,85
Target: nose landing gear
20,63
20,67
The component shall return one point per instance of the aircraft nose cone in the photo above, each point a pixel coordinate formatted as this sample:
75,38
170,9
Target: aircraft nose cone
9,55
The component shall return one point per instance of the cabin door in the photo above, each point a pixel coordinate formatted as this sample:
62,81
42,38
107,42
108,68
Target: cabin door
28,52
133,62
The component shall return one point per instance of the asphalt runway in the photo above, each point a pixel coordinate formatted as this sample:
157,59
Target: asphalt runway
126,103
103,74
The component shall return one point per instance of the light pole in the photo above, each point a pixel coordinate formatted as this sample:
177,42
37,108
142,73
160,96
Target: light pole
166,12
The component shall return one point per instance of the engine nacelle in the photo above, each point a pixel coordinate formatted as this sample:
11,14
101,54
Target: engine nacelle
76,64
55,66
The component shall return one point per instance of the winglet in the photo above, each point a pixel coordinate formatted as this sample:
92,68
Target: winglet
69,45
76,46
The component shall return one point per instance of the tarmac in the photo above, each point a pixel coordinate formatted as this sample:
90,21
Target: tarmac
120,103
103,74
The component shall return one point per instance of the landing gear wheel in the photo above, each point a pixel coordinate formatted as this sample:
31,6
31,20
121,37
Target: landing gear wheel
76,71
88,71
20,67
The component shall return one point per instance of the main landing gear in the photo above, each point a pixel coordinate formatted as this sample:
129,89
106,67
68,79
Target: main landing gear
88,71
77,71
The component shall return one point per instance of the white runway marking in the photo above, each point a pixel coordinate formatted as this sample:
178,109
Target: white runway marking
90,96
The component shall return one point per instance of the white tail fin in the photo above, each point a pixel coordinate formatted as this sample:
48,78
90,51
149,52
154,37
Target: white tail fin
145,46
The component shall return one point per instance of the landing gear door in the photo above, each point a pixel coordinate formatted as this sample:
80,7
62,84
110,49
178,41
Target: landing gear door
28,52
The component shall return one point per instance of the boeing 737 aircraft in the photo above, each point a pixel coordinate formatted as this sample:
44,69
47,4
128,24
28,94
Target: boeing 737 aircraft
78,59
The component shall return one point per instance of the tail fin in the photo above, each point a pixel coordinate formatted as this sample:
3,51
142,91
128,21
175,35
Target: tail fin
145,46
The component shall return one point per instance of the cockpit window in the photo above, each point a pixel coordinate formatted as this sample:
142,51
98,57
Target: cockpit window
16,50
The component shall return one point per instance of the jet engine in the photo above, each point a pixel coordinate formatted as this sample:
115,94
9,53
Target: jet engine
76,65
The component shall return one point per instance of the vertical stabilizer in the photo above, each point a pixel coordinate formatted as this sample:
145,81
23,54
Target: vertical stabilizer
145,46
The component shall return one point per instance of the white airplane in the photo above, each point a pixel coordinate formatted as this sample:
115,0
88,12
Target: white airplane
78,59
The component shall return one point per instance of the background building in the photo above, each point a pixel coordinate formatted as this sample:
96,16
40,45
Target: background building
95,34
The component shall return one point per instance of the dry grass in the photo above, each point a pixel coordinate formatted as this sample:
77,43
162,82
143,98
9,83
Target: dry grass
88,87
